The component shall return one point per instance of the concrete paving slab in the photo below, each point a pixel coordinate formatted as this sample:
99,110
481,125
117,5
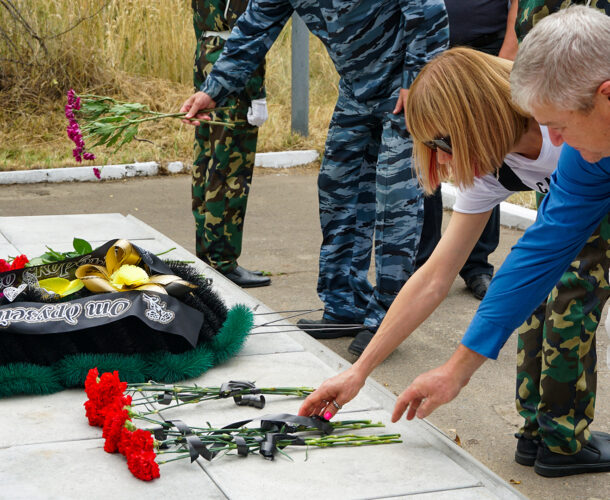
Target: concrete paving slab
478,493
92,227
269,343
6,250
45,419
73,470
287,369
407,468
427,463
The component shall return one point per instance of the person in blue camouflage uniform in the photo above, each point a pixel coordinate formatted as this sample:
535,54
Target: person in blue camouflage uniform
556,357
367,188
224,156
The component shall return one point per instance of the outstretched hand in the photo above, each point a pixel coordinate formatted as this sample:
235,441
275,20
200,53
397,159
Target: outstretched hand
340,389
426,393
192,106
439,386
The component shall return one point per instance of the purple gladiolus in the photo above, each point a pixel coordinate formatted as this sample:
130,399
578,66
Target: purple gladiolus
73,130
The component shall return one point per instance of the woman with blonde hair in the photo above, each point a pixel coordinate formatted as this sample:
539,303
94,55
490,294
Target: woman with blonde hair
465,128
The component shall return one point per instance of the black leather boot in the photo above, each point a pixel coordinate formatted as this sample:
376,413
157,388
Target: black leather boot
247,279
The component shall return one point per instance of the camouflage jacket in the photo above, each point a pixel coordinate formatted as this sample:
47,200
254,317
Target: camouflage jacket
377,46
218,16
532,11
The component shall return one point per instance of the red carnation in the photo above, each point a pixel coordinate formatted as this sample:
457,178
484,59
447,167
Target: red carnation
114,422
142,465
94,414
19,262
136,441
104,392
91,382
4,266
110,388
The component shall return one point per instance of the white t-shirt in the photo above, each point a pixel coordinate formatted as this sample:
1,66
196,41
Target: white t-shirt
487,191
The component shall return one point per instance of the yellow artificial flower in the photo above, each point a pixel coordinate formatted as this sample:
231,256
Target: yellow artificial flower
61,286
128,276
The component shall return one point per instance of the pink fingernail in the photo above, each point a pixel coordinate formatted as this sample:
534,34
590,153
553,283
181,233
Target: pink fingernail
328,415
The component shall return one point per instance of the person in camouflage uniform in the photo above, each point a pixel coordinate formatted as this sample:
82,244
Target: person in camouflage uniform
224,157
531,11
556,357
367,188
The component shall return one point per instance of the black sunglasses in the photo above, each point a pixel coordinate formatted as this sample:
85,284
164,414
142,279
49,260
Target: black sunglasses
442,143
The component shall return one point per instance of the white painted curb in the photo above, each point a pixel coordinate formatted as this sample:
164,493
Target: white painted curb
284,159
78,173
510,215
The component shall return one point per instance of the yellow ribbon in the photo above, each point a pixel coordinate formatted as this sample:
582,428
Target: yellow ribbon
99,279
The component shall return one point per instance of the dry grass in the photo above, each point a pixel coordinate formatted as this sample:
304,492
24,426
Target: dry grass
134,51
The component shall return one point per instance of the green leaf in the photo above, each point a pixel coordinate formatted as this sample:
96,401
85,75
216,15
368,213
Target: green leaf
130,133
53,254
111,119
81,246
37,261
115,137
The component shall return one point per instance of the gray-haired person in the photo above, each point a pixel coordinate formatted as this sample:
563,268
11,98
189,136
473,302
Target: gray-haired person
561,76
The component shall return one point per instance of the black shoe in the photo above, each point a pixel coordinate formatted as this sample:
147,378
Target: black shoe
478,285
593,457
527,450
328,328
362,339
247,279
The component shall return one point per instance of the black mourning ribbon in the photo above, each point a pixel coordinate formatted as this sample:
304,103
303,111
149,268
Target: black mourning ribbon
195,447
269,445
234,387
279,427
167,397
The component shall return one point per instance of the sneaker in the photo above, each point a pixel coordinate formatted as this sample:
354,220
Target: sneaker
593,457
361,340
328,328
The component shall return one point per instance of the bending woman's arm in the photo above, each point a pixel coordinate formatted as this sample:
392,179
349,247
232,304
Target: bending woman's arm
419,297
578,199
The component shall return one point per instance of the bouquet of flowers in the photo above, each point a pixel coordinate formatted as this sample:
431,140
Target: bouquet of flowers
111,407
109,122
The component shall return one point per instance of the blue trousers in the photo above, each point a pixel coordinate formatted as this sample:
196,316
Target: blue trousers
368,192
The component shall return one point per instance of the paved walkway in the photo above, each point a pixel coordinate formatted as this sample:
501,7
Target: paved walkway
47,450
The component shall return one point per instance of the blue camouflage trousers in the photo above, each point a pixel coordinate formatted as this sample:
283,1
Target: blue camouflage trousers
367,190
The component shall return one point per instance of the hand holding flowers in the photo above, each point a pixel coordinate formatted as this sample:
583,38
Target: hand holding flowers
110,122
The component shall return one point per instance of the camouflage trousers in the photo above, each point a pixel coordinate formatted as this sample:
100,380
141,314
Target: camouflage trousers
222,173
367,189
556,359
